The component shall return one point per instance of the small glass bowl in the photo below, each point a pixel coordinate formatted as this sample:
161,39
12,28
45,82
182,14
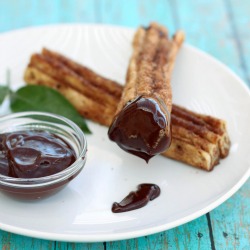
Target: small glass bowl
35,188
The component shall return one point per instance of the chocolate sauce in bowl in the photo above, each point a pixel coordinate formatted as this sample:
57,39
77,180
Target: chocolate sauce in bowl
141,128
146,192
33,154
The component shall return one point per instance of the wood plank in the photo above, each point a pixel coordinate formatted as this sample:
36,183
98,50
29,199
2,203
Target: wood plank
193,235
18,14
207,27
135,13
78,246
231,221
238,15
9,241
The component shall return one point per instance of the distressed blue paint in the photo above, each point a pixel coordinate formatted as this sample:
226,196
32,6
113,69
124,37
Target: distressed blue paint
193,235
231,221
127,13
240,22
14,241
16,14
209,26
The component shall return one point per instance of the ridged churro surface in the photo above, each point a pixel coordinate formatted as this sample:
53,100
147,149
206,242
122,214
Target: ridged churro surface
151,65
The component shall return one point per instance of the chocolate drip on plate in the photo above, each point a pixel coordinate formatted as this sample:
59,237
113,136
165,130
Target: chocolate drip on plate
146,192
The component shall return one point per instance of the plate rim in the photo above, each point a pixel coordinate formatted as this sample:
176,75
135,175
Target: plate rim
149,230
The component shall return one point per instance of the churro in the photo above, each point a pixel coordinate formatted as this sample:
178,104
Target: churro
142,122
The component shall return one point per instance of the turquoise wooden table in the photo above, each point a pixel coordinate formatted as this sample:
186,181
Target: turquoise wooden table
219,27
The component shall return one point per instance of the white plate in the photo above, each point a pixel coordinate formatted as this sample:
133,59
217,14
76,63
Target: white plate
82,211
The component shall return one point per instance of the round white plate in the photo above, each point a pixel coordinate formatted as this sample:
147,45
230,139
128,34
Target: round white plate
82,211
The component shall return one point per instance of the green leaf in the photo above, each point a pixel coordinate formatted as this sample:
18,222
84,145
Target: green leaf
4,91
45,99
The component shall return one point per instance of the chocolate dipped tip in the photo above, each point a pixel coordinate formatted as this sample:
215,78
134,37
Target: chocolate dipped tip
141,128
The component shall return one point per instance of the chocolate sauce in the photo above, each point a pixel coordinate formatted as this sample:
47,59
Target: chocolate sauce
138,199
33,154
141,128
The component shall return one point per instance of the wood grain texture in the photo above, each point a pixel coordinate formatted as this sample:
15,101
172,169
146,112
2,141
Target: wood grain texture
9,241
135,13
219,27
193,235
238,17
15,14
208,27
231,221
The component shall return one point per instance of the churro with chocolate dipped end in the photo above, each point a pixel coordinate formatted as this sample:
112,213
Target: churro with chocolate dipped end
198,140
142,122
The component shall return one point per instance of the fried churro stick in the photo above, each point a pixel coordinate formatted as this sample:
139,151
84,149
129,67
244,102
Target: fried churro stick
96,80
200,145
64,76
86,106
142,122
198,140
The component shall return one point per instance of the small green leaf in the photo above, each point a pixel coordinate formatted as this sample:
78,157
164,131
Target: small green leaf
45,99
4,91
